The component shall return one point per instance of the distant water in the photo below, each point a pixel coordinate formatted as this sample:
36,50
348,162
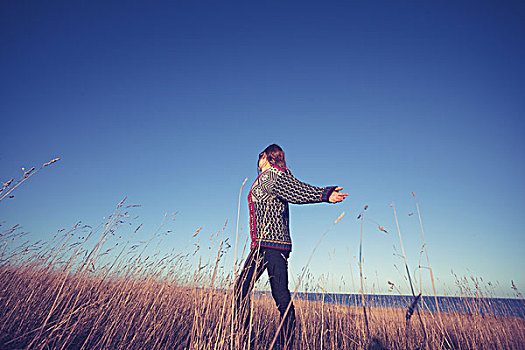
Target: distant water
484,306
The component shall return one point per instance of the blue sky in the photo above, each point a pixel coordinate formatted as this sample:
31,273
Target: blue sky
170,103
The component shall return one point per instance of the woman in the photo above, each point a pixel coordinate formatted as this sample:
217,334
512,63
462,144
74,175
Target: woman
268,202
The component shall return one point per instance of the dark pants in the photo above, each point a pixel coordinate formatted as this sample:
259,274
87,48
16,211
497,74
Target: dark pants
276,262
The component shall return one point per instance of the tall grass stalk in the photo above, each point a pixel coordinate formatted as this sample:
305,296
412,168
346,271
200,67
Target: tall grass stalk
362,291
235,270
429,268
409,279
11,185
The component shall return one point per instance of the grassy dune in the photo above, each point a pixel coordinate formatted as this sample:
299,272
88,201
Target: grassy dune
89,288
47,309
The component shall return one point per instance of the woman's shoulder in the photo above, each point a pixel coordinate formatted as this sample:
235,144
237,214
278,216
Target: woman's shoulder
273,174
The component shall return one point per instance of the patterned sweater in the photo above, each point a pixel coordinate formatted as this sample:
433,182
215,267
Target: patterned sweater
268,203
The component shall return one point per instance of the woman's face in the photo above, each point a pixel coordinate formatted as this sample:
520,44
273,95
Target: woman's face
262,162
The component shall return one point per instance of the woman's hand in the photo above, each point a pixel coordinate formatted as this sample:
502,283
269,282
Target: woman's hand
336,196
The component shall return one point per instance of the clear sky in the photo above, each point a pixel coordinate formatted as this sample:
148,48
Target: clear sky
170,102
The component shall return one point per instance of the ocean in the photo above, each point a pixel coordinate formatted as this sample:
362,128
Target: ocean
506,307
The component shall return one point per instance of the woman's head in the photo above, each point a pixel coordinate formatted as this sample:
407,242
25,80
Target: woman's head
274,154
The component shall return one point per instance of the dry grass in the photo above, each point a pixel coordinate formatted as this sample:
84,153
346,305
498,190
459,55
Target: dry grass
88,289
43,310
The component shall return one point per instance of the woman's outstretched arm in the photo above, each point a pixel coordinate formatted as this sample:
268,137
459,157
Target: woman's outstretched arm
294,191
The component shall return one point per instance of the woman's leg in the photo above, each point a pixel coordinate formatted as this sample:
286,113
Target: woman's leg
250,273
277,263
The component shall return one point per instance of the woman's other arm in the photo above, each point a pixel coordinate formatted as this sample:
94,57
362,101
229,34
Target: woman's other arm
294,191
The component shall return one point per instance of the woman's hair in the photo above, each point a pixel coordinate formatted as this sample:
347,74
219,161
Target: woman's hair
275,155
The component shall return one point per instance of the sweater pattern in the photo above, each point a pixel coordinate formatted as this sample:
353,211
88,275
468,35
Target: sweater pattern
268,205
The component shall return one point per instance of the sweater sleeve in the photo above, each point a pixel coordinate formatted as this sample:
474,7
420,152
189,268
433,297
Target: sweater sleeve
290,189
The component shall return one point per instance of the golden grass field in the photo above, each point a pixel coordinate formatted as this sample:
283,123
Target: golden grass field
44,309
70,294
90,288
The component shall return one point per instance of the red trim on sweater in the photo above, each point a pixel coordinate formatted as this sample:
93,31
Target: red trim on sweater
251,208
253,226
